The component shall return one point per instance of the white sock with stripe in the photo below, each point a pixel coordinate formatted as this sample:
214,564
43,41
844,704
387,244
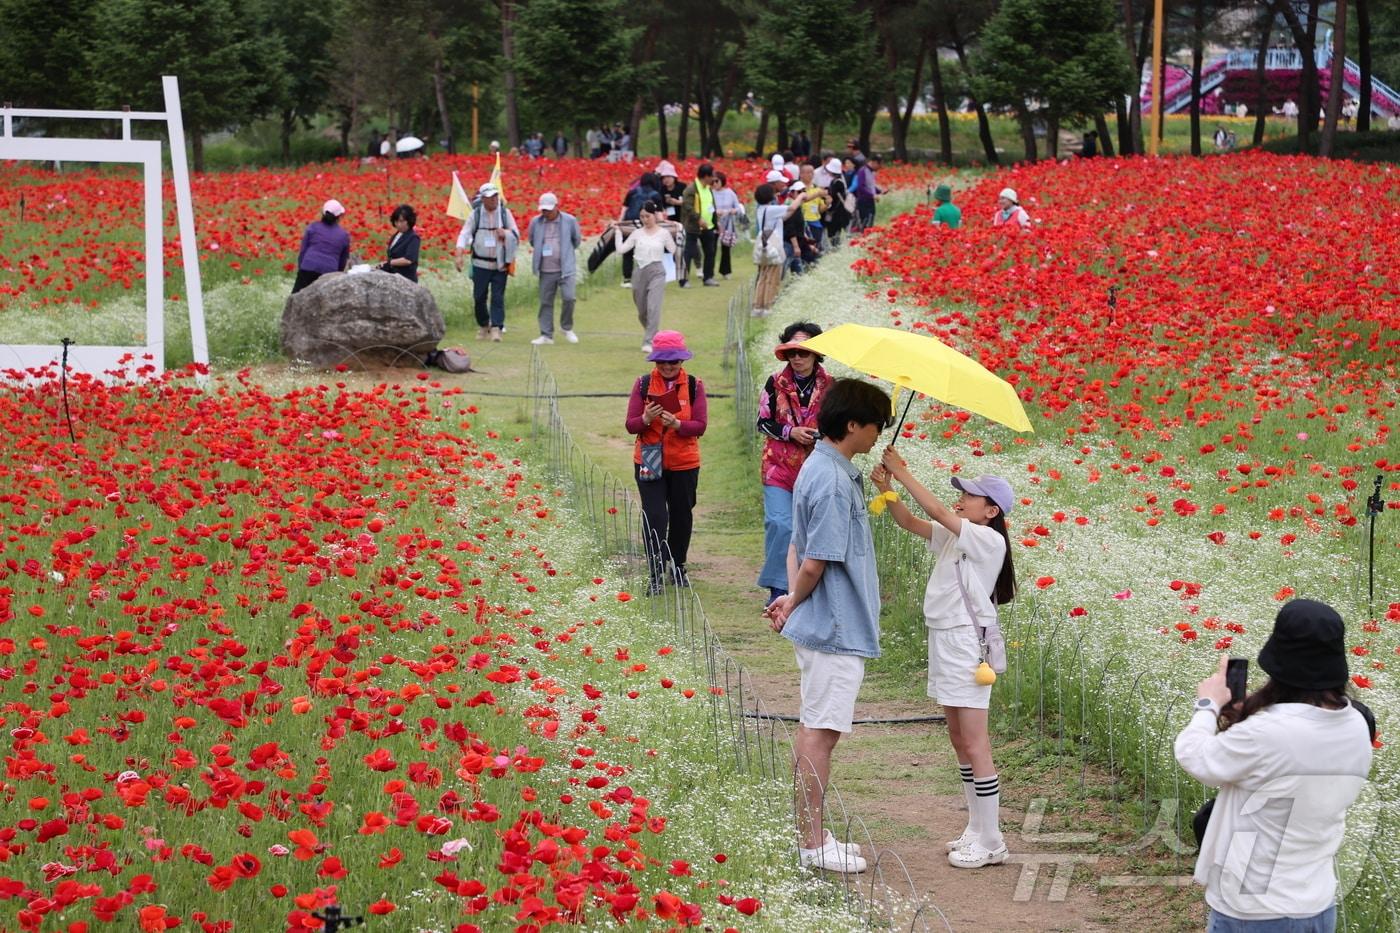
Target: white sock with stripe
987,803
974,817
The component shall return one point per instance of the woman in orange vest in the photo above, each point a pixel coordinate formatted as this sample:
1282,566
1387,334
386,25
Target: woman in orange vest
668,413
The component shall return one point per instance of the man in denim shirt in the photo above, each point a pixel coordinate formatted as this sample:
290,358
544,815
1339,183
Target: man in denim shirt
832,611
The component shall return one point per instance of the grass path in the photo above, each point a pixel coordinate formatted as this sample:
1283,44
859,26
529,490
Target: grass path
900,780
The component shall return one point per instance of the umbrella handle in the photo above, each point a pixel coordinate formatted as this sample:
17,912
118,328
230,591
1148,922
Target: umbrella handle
898,424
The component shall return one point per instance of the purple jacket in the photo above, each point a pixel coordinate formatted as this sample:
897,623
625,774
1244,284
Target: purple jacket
324,248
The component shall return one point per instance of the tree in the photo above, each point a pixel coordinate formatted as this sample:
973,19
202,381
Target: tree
574,58
305,28
229,71
1062,55
795,69
43,53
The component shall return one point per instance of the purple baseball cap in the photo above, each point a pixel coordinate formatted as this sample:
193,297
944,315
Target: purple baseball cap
993,488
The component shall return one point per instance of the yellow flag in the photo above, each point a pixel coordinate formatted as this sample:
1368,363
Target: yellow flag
496,178
458,204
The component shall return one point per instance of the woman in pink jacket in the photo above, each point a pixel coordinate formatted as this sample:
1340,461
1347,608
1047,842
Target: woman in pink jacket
787,419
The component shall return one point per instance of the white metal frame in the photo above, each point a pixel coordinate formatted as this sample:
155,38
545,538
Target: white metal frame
103,360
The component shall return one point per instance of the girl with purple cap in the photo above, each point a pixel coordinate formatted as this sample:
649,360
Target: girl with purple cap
972,575
668,413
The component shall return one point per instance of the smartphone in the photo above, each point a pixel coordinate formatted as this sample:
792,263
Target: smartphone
1237,678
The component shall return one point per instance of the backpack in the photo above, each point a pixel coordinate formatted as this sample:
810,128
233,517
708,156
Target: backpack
636,198
643,382
450,359
766,250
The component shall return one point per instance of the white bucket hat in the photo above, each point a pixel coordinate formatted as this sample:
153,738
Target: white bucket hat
1010,195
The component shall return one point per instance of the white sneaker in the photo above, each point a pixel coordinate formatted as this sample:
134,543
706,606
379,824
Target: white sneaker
542,341
976,855
851,848
831,857
571,336
646,348
626,284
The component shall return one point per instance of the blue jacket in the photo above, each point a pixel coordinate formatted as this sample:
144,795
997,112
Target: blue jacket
569,240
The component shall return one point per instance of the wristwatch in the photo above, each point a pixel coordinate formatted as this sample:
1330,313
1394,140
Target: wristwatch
1206,703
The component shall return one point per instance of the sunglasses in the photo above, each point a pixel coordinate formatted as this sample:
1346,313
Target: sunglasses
798,353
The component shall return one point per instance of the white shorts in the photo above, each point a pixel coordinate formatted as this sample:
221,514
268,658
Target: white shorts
953,656
830,683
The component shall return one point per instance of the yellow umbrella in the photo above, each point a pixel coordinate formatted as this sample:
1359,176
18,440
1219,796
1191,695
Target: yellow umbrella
923,364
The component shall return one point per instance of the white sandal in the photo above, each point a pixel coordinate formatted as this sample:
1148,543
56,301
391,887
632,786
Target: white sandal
962,842
976,856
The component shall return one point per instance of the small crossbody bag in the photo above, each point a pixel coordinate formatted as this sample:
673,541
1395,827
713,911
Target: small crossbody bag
989,637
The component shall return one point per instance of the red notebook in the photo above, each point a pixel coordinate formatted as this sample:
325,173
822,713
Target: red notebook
671,401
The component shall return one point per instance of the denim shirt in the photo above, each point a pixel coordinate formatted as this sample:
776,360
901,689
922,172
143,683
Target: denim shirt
830,523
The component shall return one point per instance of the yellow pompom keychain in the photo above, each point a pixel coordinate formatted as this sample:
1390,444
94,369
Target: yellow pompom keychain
984,675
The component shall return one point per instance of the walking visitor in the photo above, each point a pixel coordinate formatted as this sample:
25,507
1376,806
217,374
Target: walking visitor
554,241
668,413
491,236
649,244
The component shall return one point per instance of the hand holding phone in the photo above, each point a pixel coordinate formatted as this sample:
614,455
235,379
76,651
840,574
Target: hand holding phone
1237,678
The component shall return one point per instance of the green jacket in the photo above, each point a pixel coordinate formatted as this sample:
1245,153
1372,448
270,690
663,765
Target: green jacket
948,214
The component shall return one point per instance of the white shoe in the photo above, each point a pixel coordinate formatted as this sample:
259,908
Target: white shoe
831,857
542,341
976,855
851,848
962,842
646,348
626,284
571,336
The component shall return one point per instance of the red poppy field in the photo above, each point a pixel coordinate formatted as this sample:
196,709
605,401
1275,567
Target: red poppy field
76,238
264,653
1209,351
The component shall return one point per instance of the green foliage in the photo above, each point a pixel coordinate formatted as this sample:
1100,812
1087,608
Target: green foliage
813,58
574,58
229,70
1065,54
42,52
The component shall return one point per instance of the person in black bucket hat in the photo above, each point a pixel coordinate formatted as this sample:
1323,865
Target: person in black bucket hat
1307,649
1289,760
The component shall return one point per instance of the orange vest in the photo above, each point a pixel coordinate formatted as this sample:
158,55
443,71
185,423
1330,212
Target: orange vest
677,453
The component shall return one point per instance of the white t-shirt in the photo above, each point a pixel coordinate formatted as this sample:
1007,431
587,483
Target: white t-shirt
983,550
1286,775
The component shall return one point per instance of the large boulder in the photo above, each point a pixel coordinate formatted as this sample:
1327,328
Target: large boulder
374,317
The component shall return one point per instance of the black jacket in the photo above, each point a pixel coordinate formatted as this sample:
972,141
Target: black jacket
406,247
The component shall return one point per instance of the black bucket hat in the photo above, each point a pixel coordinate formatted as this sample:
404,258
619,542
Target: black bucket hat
1307,649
